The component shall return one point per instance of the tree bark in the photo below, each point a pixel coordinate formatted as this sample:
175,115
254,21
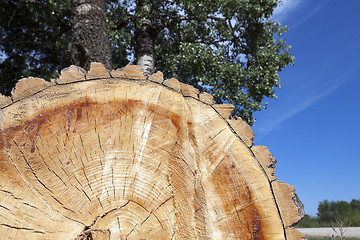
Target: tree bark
145,36
90,42
131,157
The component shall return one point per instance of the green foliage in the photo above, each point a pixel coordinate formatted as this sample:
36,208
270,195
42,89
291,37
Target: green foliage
35,38
330,211
308,222
230,48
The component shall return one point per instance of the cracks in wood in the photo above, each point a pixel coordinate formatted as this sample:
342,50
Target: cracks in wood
99,202
28,204
33,189
86,195
81,141
22,228
272,192
11,194
28,96
277,207
58,177
87,180
170,198
252,153
131,231
1,206
62,205
32,170
158,220
101,148
159,168
149,215
157,197
86,234
50,170
36,190
150,192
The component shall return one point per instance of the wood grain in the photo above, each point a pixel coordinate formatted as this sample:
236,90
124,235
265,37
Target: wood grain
4,101
117,159
28,86
71,74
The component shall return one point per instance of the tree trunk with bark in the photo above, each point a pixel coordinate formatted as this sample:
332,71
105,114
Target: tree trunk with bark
133,157
90,42
145,36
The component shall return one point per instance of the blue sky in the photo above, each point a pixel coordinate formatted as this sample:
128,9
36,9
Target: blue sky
313,128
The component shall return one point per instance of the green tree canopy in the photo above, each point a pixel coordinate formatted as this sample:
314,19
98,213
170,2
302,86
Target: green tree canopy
330,211
229,48
35,37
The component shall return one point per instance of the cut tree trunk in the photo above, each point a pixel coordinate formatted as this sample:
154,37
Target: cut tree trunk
90,41
125,156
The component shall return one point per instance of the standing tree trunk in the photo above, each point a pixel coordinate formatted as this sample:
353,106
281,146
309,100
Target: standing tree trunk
145,35
90,41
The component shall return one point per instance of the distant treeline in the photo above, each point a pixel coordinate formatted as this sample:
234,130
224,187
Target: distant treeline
332,213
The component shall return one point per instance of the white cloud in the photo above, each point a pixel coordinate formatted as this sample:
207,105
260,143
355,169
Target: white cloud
295,12
285,9
302,102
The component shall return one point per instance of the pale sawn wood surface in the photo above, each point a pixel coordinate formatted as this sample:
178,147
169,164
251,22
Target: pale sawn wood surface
123,156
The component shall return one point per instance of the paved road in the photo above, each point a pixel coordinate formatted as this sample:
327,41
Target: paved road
328,232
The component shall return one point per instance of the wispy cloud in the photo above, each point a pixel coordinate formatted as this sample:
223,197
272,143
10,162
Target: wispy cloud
303,102
314,9
287,8
295,12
